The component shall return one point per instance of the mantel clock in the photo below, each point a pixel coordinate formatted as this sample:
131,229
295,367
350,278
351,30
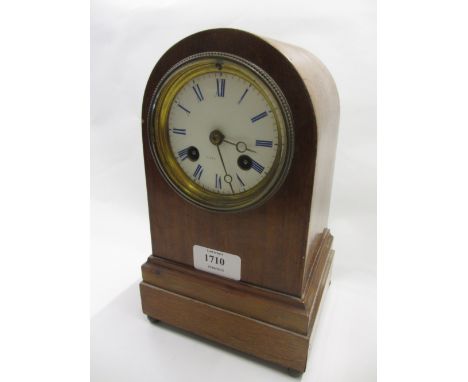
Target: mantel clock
239,139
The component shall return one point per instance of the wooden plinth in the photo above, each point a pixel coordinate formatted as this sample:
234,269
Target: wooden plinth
270,325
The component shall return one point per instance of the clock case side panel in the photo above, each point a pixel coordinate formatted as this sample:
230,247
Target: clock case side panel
271,239
324,95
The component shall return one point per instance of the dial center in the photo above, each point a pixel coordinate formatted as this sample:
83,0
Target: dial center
216,137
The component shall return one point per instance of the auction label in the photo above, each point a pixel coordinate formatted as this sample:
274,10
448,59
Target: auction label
217,262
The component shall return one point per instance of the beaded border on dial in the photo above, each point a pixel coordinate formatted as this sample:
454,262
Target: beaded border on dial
222,203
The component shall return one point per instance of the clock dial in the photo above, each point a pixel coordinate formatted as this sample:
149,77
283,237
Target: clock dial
222,133
228,123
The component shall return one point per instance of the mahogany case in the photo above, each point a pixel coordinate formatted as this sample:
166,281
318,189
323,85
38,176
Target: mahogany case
285,245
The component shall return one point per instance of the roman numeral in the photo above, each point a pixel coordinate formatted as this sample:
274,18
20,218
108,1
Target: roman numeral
263,143
218,182
257,167
198,172
240,180
183,154
243,94
183,108
179,131
220,85
198,92
259,116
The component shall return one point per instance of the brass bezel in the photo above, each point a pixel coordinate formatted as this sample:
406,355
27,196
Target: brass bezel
166,91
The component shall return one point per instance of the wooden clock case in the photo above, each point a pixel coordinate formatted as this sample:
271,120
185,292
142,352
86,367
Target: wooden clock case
284,245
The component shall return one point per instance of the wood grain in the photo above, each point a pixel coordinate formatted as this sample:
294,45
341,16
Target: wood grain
279,309
254,337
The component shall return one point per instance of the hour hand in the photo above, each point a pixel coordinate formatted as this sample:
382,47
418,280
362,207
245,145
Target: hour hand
240,146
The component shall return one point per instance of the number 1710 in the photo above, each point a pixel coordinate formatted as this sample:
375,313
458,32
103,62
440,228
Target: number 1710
214,259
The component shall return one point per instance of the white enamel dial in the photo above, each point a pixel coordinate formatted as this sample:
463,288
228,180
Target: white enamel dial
223,132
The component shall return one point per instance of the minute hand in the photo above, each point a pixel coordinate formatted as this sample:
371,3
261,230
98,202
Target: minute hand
224,166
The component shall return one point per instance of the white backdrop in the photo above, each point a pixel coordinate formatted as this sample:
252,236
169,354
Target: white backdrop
127,38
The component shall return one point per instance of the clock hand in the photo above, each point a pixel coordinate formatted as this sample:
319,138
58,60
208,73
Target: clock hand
224,166
216,137
240,146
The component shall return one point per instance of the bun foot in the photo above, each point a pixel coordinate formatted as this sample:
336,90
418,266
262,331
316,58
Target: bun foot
153,320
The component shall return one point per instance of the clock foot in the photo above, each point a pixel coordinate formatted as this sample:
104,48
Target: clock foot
153,320
294,373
